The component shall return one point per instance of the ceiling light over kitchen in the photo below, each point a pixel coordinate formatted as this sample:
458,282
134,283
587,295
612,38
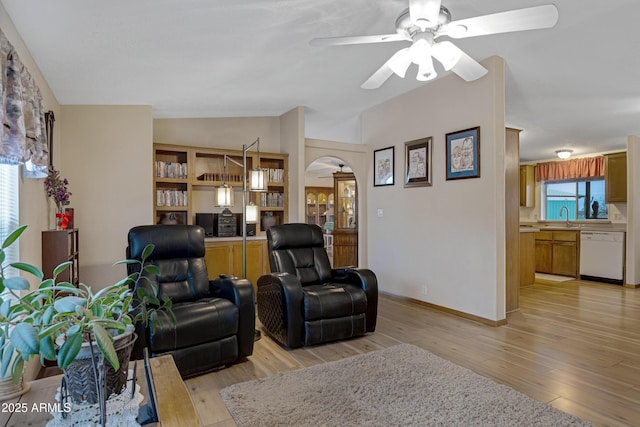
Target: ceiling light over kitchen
564,153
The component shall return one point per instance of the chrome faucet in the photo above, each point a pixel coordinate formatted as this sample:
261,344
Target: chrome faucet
567,209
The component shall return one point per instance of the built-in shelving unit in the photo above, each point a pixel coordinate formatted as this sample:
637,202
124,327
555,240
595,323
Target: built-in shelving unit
185,178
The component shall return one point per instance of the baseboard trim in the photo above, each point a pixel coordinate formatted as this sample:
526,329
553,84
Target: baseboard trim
632,286
447,310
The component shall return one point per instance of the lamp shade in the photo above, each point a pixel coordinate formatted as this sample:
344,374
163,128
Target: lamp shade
564,153
257,180
224,196
426,71
400,61
252,214
447,53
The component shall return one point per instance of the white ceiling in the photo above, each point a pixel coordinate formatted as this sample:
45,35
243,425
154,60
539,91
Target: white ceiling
575,85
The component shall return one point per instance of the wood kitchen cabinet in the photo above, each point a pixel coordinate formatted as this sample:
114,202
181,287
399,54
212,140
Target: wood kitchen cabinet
527,186
558,252
615,177
225,257
527,259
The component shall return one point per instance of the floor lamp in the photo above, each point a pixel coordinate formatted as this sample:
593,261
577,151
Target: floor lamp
256,182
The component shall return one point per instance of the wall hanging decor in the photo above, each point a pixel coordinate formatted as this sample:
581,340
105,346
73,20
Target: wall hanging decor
417,162
383,164
463,154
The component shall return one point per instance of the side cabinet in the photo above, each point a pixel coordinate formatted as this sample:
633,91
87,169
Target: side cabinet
225,257
60,246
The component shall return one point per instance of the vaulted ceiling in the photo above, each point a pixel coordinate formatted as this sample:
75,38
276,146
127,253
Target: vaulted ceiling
575,85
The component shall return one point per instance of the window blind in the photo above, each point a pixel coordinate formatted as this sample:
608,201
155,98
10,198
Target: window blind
9,210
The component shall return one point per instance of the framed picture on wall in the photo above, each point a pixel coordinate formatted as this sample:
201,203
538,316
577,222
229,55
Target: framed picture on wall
383,163
463,154
417,162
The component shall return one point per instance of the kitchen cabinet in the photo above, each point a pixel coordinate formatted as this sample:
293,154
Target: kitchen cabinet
527,186
615,177
557,252
225,257
527,258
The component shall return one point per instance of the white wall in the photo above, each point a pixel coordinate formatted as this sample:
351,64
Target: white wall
449,237
107,157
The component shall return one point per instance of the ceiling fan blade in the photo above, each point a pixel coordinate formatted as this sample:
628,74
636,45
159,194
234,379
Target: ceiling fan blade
424,13
530,18
336,41
468,68
379,77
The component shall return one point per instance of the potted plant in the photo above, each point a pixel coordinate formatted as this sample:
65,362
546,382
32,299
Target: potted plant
57,321
11,364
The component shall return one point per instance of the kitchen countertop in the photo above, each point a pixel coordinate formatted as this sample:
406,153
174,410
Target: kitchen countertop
573,226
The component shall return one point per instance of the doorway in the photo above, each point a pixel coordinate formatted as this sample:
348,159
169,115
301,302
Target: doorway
337,216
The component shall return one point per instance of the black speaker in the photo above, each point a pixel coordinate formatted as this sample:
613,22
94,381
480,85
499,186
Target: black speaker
205,220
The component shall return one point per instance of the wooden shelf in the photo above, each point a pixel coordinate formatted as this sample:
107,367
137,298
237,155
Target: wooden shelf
172,161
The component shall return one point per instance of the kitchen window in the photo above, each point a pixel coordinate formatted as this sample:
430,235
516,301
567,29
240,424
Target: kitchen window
584,199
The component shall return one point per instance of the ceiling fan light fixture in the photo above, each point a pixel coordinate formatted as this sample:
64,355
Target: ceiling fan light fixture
400,61
447,53
564,153
420,50
426,71
457,31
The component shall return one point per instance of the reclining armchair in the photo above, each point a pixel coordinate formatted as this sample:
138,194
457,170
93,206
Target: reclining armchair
215,320
304,301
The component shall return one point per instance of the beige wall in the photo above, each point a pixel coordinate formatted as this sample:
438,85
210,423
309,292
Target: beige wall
449,237
292,143
34,204
107,157
229,133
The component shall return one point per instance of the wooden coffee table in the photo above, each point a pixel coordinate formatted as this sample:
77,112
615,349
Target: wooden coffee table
175,406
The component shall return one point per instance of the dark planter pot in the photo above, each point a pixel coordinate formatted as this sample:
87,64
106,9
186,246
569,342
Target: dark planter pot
79,375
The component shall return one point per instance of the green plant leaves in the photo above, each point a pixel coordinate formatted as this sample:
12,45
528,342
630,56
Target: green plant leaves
13,236
29,268
17,283
68,304
25,338
69,350
47,348
105,344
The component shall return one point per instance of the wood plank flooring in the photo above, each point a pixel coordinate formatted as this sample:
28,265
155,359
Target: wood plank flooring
574,345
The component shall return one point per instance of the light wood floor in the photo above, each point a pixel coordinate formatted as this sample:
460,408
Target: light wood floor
574,345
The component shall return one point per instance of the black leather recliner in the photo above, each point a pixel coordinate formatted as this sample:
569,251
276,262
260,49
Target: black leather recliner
304,301
215,320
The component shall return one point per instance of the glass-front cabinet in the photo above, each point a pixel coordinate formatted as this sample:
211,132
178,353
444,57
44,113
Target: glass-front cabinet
345,190
319,205
345,232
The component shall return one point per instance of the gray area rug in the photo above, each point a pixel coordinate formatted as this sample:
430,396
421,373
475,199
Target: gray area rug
399,386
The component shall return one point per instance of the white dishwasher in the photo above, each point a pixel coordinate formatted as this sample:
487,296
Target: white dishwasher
602,256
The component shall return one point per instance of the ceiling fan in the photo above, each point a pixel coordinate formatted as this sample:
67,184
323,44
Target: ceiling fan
427,20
